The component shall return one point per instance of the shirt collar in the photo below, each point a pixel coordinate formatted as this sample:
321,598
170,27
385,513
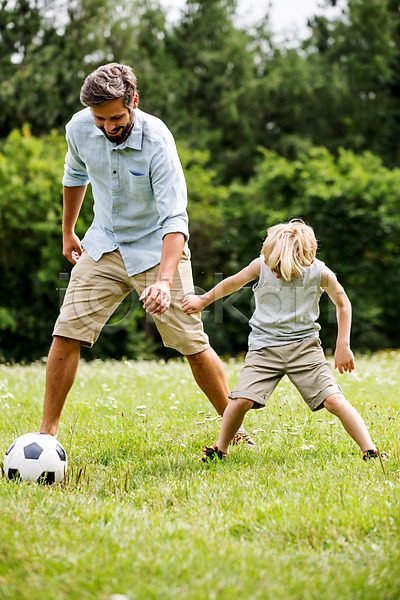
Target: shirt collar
134,139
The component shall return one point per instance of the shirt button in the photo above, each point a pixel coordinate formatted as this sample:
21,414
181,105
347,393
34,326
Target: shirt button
114,172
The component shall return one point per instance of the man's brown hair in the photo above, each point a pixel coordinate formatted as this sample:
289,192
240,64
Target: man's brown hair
109,82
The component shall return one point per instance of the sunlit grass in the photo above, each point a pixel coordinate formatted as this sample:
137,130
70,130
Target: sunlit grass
301,518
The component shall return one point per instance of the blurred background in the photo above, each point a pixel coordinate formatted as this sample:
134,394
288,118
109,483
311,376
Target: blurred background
277,113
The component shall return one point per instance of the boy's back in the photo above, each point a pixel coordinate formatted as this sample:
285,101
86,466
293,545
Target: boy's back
286,311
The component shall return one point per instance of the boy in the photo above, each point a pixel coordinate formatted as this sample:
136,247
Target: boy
284,338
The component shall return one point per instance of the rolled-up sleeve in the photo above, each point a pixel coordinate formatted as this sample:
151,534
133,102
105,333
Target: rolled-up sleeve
75,173
169,189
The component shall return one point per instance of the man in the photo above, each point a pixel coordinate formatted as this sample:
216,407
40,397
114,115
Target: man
137,240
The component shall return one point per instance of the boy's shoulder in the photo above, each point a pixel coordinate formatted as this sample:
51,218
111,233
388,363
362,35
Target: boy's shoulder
318,264
314,271
311,276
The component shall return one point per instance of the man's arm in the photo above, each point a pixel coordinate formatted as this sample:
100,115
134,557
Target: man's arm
344,358
157,297
193,304
73,198
169,188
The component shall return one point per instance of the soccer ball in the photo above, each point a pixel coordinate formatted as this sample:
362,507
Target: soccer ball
36,457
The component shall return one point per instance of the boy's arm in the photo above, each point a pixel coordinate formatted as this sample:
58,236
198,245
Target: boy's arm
344,358
193,304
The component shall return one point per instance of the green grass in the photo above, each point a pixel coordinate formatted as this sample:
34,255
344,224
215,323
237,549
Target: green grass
302,518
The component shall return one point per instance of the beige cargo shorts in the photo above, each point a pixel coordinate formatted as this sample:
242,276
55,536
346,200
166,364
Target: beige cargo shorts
303,362
97,288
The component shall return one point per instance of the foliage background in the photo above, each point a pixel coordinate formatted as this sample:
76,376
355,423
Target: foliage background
265,130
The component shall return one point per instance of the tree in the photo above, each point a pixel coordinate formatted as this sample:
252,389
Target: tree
215,61
358,95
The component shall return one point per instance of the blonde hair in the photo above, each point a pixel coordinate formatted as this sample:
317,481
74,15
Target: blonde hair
289,248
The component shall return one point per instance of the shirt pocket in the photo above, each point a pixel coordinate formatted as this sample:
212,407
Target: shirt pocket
140,188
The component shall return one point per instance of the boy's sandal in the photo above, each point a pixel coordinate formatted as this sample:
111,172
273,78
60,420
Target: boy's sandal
211,452
368,454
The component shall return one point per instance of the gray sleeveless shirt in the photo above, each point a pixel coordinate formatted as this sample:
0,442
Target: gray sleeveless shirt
286,311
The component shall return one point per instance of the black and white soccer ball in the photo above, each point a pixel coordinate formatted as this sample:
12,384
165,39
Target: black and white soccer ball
36,457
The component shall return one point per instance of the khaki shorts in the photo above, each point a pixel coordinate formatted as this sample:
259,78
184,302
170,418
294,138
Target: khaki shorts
303,362
96,289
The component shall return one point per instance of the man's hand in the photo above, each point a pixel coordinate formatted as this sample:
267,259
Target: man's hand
193,304
156,298
72,248
344,359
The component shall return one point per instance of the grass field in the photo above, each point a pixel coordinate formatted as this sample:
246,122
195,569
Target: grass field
301,518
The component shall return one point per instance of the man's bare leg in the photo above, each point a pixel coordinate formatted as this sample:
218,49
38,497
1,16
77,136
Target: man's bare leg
62,366
211,378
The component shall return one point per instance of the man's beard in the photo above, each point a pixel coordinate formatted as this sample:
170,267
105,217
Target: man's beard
120,135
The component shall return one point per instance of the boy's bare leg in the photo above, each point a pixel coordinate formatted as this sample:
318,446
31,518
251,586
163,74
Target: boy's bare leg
62,366
211,378
351,420
231,421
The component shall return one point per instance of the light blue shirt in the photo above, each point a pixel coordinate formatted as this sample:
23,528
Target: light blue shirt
138,187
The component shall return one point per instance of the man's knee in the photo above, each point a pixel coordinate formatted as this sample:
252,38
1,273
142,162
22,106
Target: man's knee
64,346
198,357
60,340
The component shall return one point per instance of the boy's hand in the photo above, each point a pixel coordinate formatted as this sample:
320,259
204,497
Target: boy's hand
344,359
193,304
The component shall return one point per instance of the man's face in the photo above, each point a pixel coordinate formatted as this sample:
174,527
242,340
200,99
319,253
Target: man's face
114,119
